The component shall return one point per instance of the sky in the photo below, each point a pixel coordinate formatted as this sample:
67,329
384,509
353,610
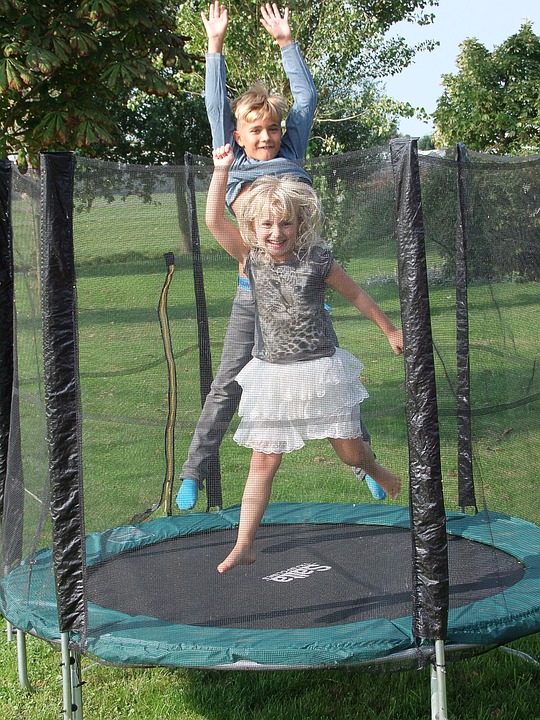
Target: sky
489,21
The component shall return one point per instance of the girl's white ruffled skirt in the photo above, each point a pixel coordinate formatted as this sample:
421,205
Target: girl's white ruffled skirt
282,406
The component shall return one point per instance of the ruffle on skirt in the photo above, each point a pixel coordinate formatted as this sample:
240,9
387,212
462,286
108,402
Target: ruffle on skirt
282,406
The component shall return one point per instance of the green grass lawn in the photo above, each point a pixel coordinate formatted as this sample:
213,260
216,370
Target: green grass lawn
124,398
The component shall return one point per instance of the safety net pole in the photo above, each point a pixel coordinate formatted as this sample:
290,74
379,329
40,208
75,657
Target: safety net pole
6,320
62,387
428,522
213,479
11,464
466,494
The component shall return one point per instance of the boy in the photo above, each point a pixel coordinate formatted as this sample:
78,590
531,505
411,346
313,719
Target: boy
260,148
256,136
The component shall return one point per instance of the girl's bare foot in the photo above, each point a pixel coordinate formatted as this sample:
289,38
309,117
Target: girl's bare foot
238,556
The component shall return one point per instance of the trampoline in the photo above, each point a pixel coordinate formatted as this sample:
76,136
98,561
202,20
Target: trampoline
306,602
88,562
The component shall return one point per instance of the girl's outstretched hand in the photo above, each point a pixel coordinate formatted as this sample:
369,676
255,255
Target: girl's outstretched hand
395,338
277,26
223,156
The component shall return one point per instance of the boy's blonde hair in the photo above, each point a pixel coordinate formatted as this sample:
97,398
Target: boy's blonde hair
289,199
257,101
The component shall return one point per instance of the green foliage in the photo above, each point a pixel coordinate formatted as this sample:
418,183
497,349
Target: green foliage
155,130
358,208
506,214
109,78
426,143
354,118
346,50
63,65
501,222
492,104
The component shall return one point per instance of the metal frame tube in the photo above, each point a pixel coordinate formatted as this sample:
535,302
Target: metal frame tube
439,710
22,660
76,687
67,699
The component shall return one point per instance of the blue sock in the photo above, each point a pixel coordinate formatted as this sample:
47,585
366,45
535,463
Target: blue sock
188,494
374,487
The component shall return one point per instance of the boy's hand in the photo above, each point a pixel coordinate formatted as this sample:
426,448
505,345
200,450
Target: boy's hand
223,156
277,26
216,26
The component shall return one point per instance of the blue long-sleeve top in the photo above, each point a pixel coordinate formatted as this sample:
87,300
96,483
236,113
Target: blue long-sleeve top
294,142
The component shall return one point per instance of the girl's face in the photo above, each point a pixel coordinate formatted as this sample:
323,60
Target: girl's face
277,236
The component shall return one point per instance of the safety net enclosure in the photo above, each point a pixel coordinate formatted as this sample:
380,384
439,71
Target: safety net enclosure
121,301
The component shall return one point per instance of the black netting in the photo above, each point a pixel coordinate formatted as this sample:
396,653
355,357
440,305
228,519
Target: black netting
136,311
502,197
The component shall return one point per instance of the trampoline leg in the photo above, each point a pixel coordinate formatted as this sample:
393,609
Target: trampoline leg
9,631
22,660
76,687
70,711
439,709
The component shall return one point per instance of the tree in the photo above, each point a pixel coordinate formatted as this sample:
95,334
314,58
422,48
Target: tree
346,49
492,104
426,143
158,130
67,69
64,64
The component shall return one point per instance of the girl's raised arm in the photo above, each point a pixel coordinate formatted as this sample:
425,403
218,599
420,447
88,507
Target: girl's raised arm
227,234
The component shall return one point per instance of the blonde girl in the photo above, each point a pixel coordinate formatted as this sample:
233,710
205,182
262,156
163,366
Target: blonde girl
298,386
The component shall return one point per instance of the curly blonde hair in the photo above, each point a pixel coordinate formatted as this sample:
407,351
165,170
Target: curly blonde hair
256,102
290,199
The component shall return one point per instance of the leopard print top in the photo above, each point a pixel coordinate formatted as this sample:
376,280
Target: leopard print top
291,323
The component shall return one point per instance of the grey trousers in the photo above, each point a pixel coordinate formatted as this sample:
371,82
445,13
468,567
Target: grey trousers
224,396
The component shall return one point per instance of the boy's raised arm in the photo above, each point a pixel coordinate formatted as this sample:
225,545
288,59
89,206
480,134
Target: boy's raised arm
215,89
300,117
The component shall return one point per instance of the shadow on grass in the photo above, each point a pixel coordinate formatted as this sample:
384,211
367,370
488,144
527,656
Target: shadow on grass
495,685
